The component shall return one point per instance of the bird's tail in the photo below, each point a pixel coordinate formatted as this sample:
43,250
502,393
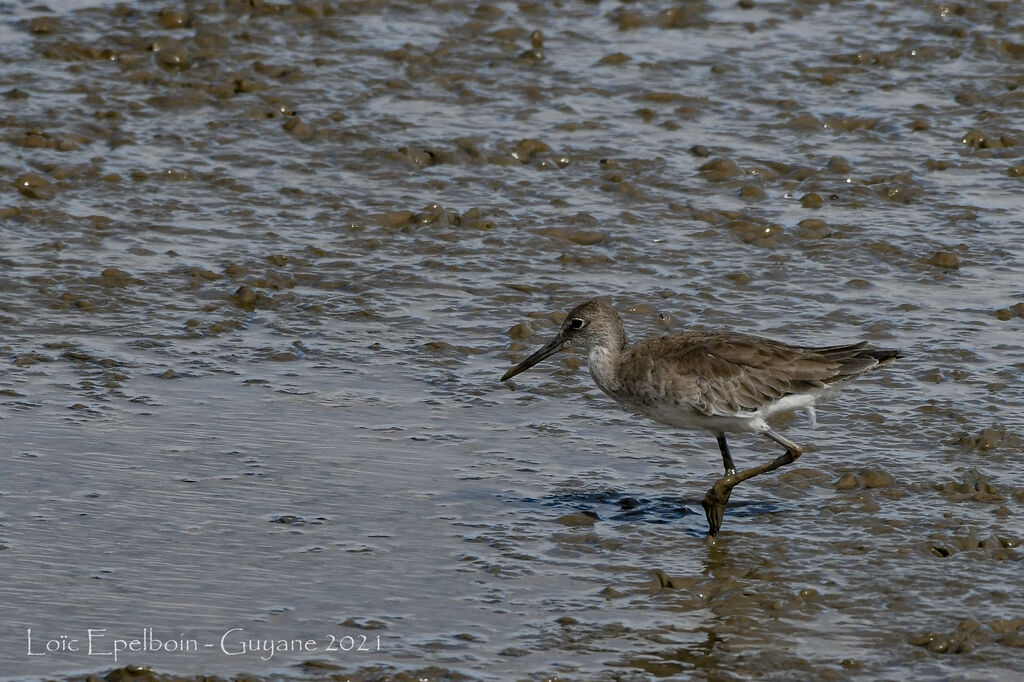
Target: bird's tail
858,358
883,355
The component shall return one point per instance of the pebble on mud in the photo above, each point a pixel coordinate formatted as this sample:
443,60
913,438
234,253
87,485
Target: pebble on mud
763,234
171,18
579,259
129,673
811,200
580,518
39,139
1015,310
979,140
944,259
244,295
587,237
115,277
526,148
34,186
44,25
812,229
198,275
29,359
805,122
169,54
752,193
614,59
247,298
719,170
961,641
476,219
520,331
876,478
394,218
847,481
867,478
296,127
370,624
974,486
992,438
838,164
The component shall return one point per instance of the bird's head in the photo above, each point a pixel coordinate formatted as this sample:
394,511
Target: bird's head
588,325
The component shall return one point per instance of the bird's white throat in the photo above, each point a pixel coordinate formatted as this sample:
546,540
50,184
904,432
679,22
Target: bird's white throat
602,362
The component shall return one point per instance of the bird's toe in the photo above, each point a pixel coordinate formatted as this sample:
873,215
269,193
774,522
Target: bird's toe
714,504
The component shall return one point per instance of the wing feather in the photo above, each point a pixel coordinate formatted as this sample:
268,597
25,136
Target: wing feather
725,374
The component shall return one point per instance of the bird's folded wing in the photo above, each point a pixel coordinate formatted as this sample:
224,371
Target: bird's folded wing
731,374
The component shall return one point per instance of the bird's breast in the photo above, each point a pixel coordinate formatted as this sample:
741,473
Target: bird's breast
685,416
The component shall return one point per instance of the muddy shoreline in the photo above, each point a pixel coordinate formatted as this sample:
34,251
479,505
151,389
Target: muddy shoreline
264,263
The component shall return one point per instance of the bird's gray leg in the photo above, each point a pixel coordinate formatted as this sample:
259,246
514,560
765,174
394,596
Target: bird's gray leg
730,468
718,496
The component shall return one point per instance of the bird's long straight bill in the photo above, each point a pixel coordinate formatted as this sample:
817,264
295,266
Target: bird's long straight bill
548,349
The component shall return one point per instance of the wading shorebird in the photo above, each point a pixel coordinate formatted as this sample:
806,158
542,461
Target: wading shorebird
723,382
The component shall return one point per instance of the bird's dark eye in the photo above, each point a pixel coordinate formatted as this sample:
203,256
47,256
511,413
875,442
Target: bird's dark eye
576,323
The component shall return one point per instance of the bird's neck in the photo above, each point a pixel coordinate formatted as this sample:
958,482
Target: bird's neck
603,362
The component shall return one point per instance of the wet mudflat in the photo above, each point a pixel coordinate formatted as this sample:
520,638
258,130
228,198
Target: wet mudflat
262,265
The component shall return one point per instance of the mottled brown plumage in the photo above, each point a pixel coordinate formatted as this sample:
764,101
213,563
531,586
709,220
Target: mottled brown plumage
726,374
719,381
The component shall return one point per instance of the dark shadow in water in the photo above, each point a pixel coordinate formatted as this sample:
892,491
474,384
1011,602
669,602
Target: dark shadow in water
613,505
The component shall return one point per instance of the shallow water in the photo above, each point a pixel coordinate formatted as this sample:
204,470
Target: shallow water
262,266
